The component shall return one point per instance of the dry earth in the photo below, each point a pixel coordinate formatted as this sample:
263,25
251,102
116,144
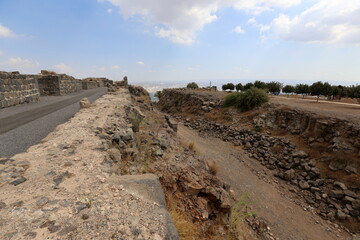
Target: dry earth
345,111
287,216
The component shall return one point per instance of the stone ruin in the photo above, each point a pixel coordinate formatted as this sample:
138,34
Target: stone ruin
16,88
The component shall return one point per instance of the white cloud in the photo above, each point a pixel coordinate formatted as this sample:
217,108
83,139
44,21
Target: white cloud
110,10
6,32
252,21
1,53
328,22
115,67
238,30
62,67
140,63
262,28
180,21
20,63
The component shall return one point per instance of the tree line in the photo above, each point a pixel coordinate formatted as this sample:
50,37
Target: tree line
316,89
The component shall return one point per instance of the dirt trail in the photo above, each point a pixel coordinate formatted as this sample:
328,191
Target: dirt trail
286,218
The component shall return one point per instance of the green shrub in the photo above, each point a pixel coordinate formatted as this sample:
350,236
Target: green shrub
231,99
252,98
246,100
192,85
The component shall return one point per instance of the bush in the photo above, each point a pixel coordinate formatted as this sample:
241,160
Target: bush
231,99
252,98
192,85
247,100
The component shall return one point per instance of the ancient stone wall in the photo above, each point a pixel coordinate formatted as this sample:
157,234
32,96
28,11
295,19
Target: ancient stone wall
69,84
89,84
58,84
49,85
101,82
16,88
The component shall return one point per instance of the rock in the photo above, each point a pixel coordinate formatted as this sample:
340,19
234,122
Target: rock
115,155
304,185
85,103
18,181
42,201
338,194
341,215
340,185
356,204
350,193
351,168
31,235
289,174
172,123
300,154
135,116
337,165
79,206
2,205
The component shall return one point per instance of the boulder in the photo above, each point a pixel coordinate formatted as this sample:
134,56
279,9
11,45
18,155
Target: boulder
85,103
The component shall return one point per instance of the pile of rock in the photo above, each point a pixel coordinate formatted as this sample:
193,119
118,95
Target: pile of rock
338,135
330,198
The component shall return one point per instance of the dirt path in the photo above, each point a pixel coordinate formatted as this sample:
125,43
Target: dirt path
286,218
344,111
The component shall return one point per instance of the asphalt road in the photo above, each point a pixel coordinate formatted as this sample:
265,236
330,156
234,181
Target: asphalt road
25,125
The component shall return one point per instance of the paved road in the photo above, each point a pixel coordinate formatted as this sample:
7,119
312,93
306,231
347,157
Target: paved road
25,125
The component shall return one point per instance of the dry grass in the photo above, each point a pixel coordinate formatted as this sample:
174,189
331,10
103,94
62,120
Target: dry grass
191,146
237,228
213,167
187,230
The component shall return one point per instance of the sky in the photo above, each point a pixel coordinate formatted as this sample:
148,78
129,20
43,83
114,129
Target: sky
172,42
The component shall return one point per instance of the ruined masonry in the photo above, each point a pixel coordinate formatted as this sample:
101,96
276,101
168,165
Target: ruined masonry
16,88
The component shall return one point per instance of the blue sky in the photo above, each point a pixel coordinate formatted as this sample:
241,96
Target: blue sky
164,42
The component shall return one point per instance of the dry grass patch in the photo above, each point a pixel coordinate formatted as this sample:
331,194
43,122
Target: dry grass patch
187,230
191,146
213,167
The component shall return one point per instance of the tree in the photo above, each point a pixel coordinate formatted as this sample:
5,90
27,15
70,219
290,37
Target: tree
320,88
192,85
302,89
228,86
274,87
354,92
239,87
260,84
289,89
248,86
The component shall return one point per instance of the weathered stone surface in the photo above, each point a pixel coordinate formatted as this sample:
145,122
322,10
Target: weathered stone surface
16,88
85,103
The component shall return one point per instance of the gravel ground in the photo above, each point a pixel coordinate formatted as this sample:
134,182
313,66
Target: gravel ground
21,138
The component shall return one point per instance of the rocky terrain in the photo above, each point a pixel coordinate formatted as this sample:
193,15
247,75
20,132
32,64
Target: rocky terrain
318,156
117,170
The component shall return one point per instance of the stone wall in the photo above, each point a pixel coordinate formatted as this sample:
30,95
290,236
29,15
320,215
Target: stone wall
59,84
89,84
101,82
16,88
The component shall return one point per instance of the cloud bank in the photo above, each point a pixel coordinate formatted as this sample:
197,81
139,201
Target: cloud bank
180,21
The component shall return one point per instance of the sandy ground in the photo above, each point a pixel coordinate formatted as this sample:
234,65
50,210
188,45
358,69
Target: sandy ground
287,216
339,110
